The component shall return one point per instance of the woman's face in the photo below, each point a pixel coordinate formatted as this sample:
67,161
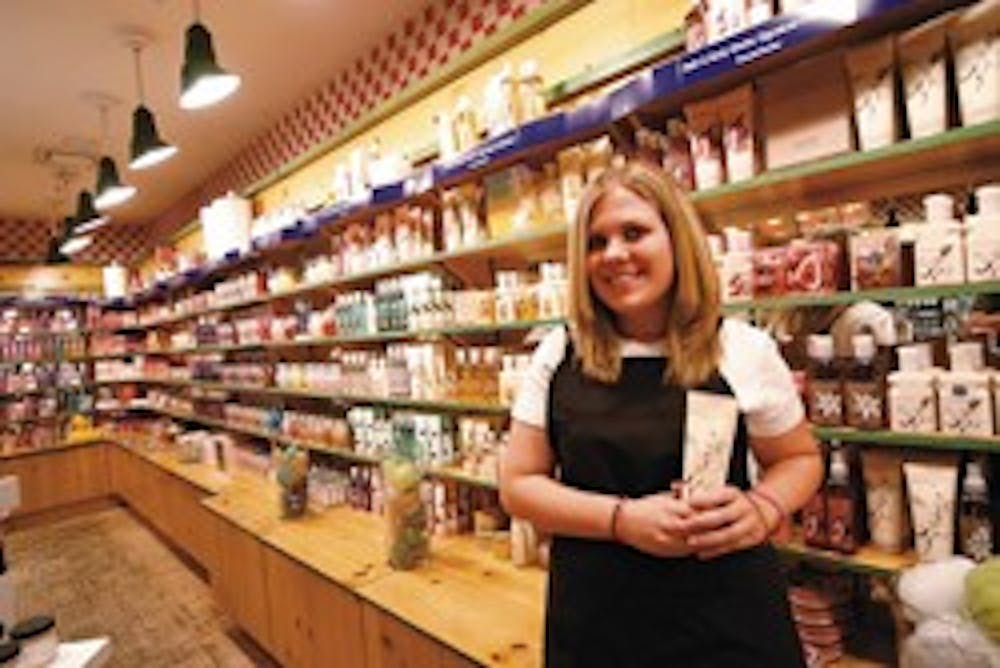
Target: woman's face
630,261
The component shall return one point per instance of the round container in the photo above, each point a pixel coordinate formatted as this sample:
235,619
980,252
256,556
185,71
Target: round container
38,639
988,197
9,653
939,207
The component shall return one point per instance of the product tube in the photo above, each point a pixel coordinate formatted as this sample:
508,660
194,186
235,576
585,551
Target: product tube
932,507
884,493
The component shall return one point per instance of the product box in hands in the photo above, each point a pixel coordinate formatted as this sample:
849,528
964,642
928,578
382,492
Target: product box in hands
806,112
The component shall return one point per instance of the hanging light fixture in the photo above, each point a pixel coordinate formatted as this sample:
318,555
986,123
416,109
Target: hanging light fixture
87,217
109,191
72,242
148,148
203,82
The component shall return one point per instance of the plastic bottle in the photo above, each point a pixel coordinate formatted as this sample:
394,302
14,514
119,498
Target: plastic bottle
824,390
975,526
841,504
864,394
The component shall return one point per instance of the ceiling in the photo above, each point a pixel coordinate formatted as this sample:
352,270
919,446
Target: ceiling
55,53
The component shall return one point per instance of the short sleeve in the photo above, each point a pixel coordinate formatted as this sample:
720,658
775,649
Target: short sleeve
531,404
760,379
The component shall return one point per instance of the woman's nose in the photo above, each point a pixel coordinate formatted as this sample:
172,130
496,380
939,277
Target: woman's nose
616,249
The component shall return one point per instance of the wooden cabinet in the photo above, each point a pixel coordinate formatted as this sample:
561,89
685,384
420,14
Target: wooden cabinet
238,580
390,643
59,477
314,622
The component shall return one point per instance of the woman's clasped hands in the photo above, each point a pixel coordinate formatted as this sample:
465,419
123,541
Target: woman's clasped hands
706,525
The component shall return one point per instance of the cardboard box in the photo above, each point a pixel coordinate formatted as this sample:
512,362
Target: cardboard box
806,112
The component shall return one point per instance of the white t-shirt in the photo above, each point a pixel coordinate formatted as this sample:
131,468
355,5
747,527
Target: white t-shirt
751,364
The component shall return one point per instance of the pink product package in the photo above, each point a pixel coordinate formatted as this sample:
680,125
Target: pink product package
769,271
812,266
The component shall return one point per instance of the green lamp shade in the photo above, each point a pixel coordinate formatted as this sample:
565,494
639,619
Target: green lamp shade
110,189
87,217
148,148
203,82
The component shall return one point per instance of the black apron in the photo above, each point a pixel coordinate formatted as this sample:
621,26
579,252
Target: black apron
611,605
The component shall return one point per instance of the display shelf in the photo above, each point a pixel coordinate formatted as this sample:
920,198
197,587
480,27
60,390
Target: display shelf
443,472
959,152
867,560
896,295
898,439
41,390
7,422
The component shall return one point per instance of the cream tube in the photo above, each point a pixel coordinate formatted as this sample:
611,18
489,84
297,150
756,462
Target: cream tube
709,430
932,507
871,70
884,494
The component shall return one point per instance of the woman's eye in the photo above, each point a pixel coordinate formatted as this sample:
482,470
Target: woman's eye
632,234
596,243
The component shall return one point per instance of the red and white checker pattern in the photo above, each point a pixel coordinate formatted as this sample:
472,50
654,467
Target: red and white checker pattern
440,32
28,241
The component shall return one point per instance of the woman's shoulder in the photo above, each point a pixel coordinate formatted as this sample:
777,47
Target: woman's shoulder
552,348
739,337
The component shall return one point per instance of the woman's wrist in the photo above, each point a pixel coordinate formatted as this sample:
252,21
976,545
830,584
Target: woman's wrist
771,509
616,520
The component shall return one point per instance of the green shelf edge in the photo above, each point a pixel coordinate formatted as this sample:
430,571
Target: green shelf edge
949,442
899,294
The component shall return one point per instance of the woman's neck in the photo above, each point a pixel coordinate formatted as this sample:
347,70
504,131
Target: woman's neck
646,329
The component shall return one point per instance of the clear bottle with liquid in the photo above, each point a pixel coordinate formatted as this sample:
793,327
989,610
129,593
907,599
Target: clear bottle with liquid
824,390
975,524
841,505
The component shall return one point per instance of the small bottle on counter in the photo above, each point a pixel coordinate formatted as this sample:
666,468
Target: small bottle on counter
975,525
841,504
864,394
824,391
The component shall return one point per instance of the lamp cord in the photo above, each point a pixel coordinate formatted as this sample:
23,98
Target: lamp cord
137,52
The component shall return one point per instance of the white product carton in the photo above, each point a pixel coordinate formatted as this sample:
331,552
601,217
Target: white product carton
912,402
870,67
922,53
982,244
976,49
965,404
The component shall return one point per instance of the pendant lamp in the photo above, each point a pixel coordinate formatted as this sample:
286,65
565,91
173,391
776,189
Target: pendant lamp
148,148
87,217
72,242
203,82
110,190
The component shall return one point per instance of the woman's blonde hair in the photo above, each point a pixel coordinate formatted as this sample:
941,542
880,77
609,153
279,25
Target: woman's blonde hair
692,303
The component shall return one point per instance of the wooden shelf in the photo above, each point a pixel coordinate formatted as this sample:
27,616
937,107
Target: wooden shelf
461,330
897,439
894,295
445,472
962,155
867,560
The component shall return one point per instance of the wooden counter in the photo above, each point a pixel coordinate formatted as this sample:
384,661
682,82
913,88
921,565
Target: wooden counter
57,477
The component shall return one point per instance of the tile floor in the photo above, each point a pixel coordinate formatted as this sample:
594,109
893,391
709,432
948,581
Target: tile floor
105,573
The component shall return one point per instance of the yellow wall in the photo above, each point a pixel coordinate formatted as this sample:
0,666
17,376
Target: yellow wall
42,280
597,32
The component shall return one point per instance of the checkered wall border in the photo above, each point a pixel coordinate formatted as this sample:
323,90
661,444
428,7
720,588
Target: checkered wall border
442,30
24,240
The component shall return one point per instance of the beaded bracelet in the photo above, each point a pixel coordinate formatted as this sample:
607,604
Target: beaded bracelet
760,513
775,503
614,517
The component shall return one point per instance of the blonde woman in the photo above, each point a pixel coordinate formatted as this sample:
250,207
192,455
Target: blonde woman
639,577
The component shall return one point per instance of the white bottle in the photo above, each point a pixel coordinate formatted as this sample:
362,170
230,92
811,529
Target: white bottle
939,255
983,236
